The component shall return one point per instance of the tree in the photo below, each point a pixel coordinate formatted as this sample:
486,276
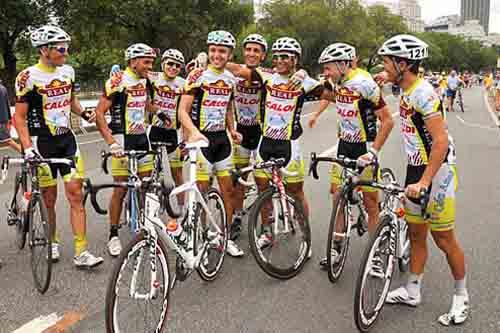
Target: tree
16,17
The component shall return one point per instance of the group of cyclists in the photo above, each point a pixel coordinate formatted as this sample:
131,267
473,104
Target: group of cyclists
248,114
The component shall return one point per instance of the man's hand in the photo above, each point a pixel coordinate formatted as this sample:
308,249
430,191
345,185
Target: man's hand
195,136
313,120
367,159
297,80
414,190
89,116
116,150
30,153
237,137
381,78
201,61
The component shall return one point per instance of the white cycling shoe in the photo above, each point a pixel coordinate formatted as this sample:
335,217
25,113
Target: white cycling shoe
114,246
233,249
401,296
459,311
55,252
87,260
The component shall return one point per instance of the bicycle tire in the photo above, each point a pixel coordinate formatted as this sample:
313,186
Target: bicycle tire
21,223
364,323
335,271
40,238
254,233
111,312
387,177
204,272
404,261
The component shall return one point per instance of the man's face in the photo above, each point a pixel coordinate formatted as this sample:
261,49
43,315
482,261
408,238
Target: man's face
171,68
390,69
331,70
142,66
254,54
56,53
284,62
218,56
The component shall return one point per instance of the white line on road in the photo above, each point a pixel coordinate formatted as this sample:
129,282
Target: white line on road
466,123
39,324
492,114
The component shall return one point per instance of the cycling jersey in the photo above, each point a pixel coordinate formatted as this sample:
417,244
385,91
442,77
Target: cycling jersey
128,94
356,99
166,95
213,92
281,106
48,91
417,104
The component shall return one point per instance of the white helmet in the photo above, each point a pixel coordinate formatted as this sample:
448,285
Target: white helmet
173,54
257,39
139,50
287,44
406,47
48,34
222,38
337,52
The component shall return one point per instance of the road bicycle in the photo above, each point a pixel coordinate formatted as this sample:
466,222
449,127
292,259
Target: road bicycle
28,213
141,276
278,229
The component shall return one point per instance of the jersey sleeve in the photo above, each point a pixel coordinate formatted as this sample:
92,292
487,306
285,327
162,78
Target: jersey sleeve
193,81
23,86
260,75
310,85
427,103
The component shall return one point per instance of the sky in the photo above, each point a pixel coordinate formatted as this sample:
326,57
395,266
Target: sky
432,9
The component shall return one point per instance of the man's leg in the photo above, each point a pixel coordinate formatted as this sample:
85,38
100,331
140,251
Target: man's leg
370,200
115,211
448,243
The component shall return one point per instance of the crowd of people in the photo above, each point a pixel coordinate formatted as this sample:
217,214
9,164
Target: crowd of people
248,114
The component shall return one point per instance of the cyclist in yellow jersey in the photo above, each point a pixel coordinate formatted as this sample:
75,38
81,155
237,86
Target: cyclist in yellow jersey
206,113
126,96
168,87
247,98
44,99
282,104
359,103
431,167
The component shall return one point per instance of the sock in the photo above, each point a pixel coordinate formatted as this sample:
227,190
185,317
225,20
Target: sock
414,284
113,231
55,238
460,289
80,244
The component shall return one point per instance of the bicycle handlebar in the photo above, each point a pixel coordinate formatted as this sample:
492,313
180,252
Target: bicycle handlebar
6,161
130,153
343,161
237,175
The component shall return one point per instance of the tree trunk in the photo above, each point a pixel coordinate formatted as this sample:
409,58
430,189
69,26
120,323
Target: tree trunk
10,62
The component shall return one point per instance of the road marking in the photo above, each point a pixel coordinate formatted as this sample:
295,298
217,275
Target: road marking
52,323
89,142
490,110
466,123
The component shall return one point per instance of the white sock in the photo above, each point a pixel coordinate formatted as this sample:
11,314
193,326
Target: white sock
414,284
460,288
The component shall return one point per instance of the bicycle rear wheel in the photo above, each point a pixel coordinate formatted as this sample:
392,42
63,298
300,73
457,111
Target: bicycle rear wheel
337,246
285,250
40,244
16,212
208,239
128,293
372,287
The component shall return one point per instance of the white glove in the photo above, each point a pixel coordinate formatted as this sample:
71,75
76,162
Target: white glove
368,159
30,153
116,149
202,60
297,80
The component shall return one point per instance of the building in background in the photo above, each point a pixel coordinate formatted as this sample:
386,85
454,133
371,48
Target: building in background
443,23
476,10
409,10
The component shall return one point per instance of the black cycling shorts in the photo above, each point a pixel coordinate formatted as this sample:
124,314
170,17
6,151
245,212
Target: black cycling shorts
251,136
159,134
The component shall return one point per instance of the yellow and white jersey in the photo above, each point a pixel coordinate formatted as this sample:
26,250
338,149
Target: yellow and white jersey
166,95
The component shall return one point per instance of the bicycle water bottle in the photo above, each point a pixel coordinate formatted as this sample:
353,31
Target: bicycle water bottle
175,230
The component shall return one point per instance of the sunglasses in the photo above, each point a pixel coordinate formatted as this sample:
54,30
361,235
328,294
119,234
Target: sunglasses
173,64
60,49
281,57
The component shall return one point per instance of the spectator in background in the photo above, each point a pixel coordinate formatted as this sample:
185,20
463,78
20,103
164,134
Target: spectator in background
496,86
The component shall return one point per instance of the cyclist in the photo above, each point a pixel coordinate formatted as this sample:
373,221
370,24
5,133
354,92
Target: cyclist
280,116
359,104
168,87
452,84
5,121
497,90
431,167
126,96
247,102
44,99
206,113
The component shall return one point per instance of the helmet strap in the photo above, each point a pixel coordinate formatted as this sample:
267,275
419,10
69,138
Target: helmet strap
342,70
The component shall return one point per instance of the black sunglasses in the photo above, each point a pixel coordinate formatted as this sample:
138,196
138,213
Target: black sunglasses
60,49
281,57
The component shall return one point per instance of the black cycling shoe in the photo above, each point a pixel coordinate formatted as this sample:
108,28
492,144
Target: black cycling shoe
323,264
235,231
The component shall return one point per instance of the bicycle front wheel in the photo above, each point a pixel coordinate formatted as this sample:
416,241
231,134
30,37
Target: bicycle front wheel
210,240
40,244
373,283
16,211
134,301
280,246
337,246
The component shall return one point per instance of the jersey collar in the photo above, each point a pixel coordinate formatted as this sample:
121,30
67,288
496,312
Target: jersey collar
350,75
44,68
130,72
413,86
215,70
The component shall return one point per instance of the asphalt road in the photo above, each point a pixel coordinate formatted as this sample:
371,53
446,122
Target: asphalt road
244,299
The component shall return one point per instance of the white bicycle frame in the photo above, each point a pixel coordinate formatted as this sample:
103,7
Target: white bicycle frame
156,227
